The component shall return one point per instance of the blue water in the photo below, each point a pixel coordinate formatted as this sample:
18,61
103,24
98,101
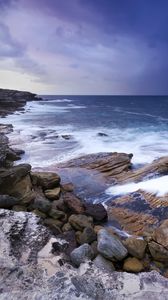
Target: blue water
131,124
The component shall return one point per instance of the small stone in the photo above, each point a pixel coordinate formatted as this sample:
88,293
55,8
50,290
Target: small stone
73,203
103,264
97,211
81,254
47,180
66,227
57,214
158,252
79,222
94,248
133,264
59,204
110,246
67,187
53,225
53,194
39,213
87,236
97,228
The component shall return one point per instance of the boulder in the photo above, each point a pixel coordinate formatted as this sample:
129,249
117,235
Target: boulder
81,254
160,234
73,203
135,246
103,264
158,252
110,246
47,180
132,264
79,222
53,194
87,236
7,201
97,211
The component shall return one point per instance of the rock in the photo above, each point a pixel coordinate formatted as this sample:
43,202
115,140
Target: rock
97,211
94,248
132,264
39,213
57,214
87,236
59,204
67,187
45,179
67,227
81,254
12,155
18,151
97,228
135,246
53,194
158,252
102,134
7,201
42,204
103,264
110,246
79,222
69,237
19,208
160,234
66,136
73,203
54,225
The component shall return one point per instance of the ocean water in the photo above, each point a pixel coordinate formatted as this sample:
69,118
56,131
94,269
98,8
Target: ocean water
131,124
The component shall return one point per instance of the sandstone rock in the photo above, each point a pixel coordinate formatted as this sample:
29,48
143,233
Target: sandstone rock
7,201
79,222
42,204
97,211
110,246
135,246
103,264
73,203
158,252
132,264
87,236
53,194
81,254
45,179
57,214
160,234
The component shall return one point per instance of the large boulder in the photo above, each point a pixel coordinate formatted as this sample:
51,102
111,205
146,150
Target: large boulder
79,222
81,254
110,246
47,180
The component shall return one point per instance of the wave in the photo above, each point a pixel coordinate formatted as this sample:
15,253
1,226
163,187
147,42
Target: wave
157,186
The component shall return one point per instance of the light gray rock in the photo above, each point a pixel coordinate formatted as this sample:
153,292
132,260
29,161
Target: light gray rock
103,264
110,246
81,254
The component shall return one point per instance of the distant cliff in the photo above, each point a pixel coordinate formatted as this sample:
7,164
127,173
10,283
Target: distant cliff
12,100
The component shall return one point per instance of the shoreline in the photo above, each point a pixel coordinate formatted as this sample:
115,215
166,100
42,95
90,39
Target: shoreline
58,204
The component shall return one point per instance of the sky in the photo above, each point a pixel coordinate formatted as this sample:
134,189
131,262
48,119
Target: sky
84,46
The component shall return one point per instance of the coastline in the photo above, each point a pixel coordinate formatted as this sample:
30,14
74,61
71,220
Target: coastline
46,189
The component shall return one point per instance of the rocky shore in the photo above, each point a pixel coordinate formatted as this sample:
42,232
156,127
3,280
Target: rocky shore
53,239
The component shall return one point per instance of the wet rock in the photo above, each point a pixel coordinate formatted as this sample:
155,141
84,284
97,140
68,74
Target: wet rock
79,222
97,211
87,236
135,246
57,214
47,180
67,187
42,204
160,234
103,264
53,194
7,201
110,246
81,254
133,264
158,252
73,203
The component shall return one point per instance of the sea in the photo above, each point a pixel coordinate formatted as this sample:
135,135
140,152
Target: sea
59,128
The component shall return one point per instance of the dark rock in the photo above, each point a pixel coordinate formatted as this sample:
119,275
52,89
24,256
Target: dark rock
87,236
102,134
97,211
12,155
79,222
66,136
135,246
57,214
73,203
42,204
110,246
54,225
7,201
69,237
94,248
81,254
